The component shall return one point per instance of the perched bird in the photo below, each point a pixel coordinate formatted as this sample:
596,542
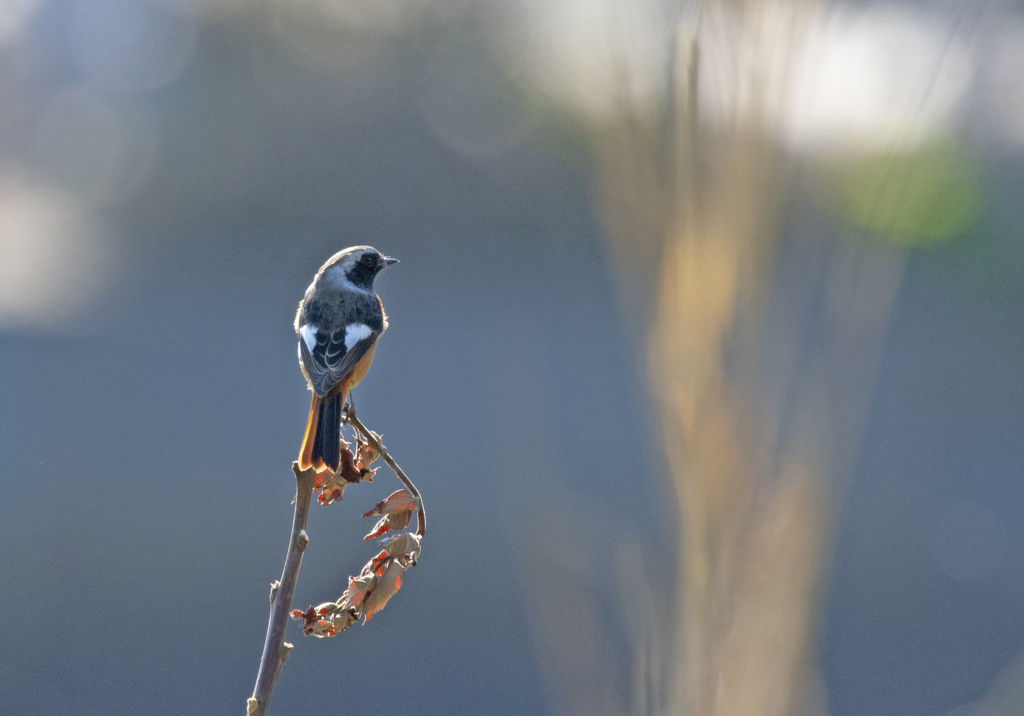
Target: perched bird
338,323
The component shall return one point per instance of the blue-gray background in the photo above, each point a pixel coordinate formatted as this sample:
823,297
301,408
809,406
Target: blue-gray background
145,450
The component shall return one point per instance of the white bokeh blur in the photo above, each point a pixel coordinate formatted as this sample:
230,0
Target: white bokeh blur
53,257
86,147
593,57
1003,82
825,78
878,78
132,45
14,15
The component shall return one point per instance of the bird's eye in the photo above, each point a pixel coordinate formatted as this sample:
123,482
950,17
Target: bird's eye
367,259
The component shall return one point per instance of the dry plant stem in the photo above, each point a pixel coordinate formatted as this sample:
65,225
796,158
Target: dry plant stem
274,650
421,515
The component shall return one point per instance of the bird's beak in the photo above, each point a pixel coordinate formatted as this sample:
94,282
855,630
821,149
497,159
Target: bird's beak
388,261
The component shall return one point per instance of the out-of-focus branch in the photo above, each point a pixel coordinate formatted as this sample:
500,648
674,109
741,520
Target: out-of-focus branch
275,649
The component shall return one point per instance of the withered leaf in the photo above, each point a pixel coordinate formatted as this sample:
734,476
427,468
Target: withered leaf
378,563
358,587
348,471
365,452
397,501
387,584
397,521
397,509
404,546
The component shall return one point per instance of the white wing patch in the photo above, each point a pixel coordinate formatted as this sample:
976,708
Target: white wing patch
354,333
308,333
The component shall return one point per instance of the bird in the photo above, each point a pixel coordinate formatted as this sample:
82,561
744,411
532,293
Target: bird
338,323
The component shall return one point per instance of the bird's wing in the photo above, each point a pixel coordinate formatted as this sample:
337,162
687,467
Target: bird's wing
328,357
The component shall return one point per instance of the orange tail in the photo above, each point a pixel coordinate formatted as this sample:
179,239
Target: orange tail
320,445
306,451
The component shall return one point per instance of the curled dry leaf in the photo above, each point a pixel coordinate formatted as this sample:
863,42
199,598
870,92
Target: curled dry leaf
367,593
358,588
350,473
388,583
365,452
332,618
378,563
308,618
403,546
396,509
331,485
326,620
340,621
391,522
397,501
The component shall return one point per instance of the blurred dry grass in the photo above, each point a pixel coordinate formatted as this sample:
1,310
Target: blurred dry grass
752,456
752,515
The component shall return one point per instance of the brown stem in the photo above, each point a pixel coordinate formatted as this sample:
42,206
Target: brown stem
275,650
370,437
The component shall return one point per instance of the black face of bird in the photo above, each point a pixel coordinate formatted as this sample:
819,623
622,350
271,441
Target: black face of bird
366,267
360,264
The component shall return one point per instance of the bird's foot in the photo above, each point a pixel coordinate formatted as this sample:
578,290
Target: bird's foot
348,412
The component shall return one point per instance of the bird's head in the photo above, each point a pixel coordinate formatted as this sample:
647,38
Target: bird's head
358,265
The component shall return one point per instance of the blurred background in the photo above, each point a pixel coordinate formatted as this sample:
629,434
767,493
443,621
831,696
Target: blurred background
705,351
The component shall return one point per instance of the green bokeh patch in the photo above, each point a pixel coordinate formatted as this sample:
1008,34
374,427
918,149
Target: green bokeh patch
913,199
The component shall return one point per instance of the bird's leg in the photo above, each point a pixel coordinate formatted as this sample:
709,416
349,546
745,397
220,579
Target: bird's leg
349,411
